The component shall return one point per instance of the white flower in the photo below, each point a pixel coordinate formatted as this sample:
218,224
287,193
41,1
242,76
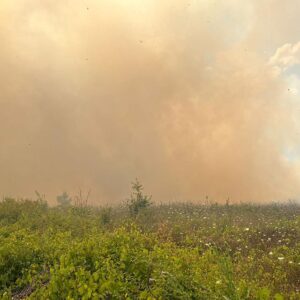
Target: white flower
280,258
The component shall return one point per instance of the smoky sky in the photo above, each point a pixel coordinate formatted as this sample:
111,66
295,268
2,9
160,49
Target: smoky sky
194,98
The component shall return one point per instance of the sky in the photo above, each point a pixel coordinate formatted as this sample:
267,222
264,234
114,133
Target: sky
193,98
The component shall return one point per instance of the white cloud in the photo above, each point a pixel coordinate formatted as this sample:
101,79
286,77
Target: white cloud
286,56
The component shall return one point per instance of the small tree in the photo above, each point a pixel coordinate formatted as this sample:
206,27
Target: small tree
64,200
137,201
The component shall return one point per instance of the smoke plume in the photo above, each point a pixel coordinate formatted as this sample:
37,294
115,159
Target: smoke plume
194,98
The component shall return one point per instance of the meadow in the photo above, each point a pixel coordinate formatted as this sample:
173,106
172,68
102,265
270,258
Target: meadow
143,251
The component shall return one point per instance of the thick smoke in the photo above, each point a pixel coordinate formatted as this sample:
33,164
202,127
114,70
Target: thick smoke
188,96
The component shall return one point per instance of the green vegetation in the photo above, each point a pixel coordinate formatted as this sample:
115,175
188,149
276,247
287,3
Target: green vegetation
178,251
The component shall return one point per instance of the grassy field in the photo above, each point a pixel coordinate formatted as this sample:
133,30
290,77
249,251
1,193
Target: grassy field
177,251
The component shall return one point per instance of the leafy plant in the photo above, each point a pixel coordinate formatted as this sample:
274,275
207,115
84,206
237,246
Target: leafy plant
174,251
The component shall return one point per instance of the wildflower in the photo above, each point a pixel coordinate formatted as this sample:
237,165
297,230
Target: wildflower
271,253
247,229
218,281
164,273
280,258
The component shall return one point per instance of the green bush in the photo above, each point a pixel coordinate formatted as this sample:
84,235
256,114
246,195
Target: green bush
178,251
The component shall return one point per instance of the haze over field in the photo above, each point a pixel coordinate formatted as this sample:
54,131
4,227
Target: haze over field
194,98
